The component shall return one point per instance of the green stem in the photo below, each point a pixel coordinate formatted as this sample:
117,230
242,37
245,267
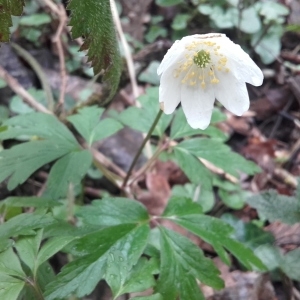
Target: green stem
36,288
39,72
142,147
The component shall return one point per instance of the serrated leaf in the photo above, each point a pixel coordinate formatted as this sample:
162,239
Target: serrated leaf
51,247
152,297
27,248
220,155
70,169
8,8
141,277
92,19
199,194
272,206
269,255
87,122
22,160
102,252
38,125
212,230
10,287
113,211
182,262
290,264
179,207
10,264
24,224
248,234
141,118
168,2
193,168
30,202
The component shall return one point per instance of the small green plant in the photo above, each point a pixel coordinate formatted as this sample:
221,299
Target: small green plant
114,237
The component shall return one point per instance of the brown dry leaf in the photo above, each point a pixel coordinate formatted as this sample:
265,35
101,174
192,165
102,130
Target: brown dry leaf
171,172
245,286
239,125
272,103
286,236
262,152
158,194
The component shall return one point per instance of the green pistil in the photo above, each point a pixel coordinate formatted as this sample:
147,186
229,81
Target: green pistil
201,59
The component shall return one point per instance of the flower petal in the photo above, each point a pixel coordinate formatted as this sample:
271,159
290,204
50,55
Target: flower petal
240,63
232,93
174,54
169,91
170,58
197,104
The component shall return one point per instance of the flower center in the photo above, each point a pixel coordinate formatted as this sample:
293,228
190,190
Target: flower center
201,58
202,64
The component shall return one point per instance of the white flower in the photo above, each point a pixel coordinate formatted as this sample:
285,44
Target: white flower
201,68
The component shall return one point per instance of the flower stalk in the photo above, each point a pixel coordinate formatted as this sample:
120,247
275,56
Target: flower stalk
159,114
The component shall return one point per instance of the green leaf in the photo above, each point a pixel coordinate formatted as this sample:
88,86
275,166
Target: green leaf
24,224
10,264
141,118
87,123
180,21
268,47
18,106
35,20
272,10
141,276
19,162
272,206
214,231
51,247
181,207
291,264
154,32
10,287
269,255
152,297
12,276
30,202
39,125
8,8
113,211
70,169
193,168
250,21
107,254
28,247
92,19
201,195
182,262
168,2
249,234
220,155
4,112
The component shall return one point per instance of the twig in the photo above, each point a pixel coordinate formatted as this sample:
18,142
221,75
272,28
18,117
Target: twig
39,72
57,40
106,162
60,12
128,56
18,89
